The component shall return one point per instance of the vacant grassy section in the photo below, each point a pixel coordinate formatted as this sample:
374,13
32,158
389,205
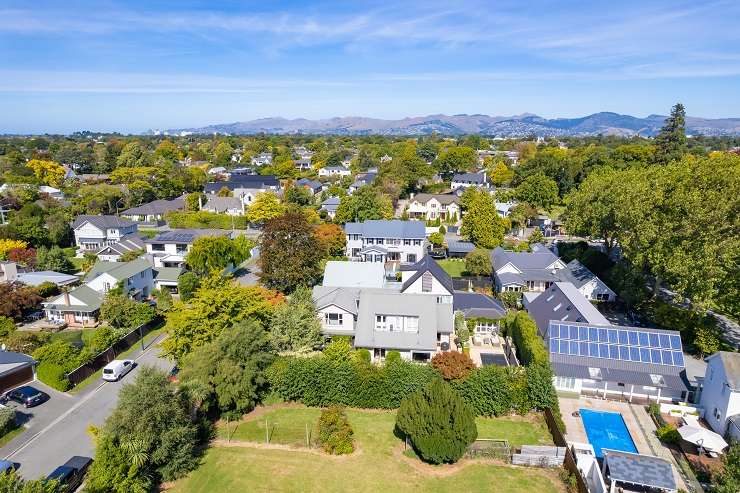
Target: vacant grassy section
455,268
378,464
74,336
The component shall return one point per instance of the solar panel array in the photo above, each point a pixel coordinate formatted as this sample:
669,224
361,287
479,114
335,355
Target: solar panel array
617,343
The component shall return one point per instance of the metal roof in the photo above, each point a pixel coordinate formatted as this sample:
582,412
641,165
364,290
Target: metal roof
541,259
119,270
354,274
731,364
39,277
186,236
428,264
380,228
102,222
477,305
167,273
460,246
563,302
470,178
156,207
442,198
222,204
637,469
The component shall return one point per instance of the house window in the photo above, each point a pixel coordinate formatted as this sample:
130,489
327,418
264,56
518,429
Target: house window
602,297
380,241
412,324
565,383
426,282
142,274
355,252
411,258
417,242
380,322
407,242
181,249
369,241
717,414
157,247
378,258
333,319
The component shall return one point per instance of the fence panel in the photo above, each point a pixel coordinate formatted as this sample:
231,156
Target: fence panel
552,425
570,465
82,372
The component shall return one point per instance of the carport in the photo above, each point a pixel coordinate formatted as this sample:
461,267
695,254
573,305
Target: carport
15,369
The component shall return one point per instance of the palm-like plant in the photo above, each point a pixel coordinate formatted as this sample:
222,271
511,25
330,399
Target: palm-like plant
136,449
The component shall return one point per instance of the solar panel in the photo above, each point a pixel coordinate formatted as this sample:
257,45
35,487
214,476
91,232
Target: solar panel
639,345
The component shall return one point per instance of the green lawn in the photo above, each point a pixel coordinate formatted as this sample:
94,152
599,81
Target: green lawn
11,435
74,336
376,465
454,268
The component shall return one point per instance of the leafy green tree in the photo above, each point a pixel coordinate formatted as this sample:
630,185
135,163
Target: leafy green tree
193,200
222,154
168,150
124,313
478,262
217,305
12,482
538,190
481,223
295,326
187,284
438,422
437,239
501,174
116,470
335,432
365,204
266,206
536,236
290,253
164,299
6,326
132,155
212,254
233,366
299,196
455,159
670,143
728,481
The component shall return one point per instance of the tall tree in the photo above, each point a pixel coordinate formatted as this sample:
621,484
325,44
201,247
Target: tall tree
295,325
290,253
365,204
670,143
213,254
265,207
481,223
538,191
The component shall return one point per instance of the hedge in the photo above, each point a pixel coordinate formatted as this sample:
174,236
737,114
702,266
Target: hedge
529,345
53,375
204,219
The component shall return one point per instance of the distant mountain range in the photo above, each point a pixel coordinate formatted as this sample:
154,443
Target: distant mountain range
604,123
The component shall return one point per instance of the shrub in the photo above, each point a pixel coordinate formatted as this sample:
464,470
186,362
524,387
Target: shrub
7,420
453,365
392,357
339,349
335,432
438,422
25,342
46,289
523,331
7,326
187,285
60,353
53,375
478,262
668,434
103,338
363,355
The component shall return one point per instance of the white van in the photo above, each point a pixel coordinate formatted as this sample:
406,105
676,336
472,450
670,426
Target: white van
117,368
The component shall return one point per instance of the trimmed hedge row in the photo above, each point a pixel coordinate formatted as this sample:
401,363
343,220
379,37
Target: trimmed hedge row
529,345
491,390
53,375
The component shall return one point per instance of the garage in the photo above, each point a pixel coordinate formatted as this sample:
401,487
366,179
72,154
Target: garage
15,369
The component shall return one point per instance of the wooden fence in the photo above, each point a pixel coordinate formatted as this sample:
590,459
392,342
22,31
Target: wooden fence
552,425
570,465
82,372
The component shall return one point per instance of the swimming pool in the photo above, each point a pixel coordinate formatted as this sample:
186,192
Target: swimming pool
607,430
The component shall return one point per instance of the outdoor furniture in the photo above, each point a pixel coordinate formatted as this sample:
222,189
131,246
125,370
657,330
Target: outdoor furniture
704,439
477,340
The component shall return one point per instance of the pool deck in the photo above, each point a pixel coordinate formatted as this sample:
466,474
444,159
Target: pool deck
638,421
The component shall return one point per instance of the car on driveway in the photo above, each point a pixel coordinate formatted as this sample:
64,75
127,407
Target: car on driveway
116,369
71,473
7,466
27,396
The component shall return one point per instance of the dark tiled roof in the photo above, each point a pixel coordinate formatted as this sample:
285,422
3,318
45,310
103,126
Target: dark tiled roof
382,228
156,207
637,469
460,246
477,305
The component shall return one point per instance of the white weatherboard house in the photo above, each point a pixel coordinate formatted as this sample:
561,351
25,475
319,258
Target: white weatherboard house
465,180
434,206
94,232
334,171
383,240
720,395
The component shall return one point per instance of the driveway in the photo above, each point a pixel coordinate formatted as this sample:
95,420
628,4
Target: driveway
58,429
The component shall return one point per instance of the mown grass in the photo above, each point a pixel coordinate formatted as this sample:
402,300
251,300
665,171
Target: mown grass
454,268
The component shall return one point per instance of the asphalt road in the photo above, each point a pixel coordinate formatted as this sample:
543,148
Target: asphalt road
40,451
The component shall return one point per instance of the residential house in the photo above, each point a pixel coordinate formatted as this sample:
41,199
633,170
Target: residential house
465,180
520,271
429,207
627,471
334,171
384,240
167,278
485,310
385,158
245,187
302,164
720,394
312,186
354,274
52,192
169,248
459,249
16,369
363,179
504,208
586,282
153,213
39,277
232,206
9,270
94,232
114,252
77,308
217,170
562,301
303,153
262,159
331,205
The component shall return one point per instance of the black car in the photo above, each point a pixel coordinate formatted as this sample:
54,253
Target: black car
71,473
28,396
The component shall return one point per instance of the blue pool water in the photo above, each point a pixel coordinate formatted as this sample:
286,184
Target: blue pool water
606,430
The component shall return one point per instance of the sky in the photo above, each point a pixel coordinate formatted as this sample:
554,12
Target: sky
137,65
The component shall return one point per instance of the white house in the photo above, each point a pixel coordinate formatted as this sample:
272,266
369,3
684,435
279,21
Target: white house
334,171
429,207
169,248
383,240
262,159
232,206
720,395
94,232
331,205
465,180
519,271
114,252
590,286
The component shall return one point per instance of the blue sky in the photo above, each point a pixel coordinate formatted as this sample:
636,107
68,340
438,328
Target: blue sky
135,65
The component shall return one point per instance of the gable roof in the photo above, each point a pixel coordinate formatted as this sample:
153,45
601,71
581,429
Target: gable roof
442,198
731,363
576,273
90,298
479,178
381,228
222,204
332,201
354,274
119,270
186,236
156,207
477,305
542,258
102,222
127,243
562,301
460,246
638,469
428,264
343,297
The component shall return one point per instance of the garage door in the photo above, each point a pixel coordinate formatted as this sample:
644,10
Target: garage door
18,377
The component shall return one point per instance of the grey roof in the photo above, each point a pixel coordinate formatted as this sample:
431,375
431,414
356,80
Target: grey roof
428,264
167,273
576,273
540,259
10,357
102,222
627,372
336,168
222,204
374,248
186,236
637,469
127,243
39,277
509,278
477,305
119,270
312,184
331,204
562,301
460,246
433,318
442,198
731,364
479,178
156,207
243,181
343,297
90,298
381,228
354,274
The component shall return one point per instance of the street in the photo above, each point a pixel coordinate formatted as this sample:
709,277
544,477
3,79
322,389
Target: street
50,440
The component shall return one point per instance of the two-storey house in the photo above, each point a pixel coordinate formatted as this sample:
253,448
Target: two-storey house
94,232
386,241
429,207
169,248
720,395
465,180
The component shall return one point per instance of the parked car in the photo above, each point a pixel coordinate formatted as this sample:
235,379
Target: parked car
7,466
116,369
27,396
71,473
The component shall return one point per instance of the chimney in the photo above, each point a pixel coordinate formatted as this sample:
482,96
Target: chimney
66,299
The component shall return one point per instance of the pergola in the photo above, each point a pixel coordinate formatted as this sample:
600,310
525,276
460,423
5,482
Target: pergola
644,471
